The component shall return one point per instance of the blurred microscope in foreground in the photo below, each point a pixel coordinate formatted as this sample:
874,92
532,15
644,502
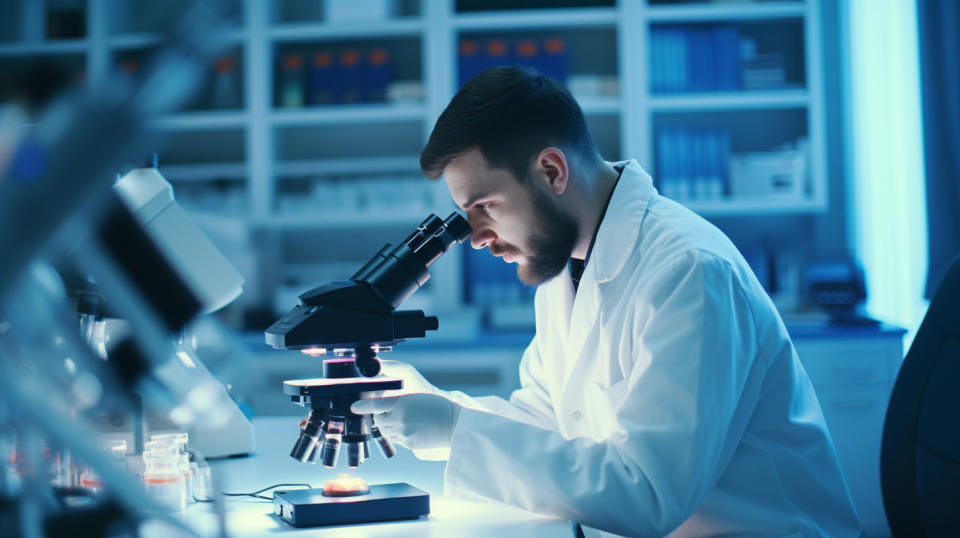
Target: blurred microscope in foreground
101,302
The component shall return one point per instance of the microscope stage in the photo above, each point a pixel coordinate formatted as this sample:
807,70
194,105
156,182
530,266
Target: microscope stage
385,502
324,385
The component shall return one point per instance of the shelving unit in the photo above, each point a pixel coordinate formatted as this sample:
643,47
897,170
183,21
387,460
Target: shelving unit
753,100
378,29
660,109
349,166
745,11
536,19
60,46
203,120
336,221
273,151
203,172
359,113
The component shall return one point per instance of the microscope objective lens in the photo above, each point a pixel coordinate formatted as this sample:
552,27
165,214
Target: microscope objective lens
331,445
386,447
312,430
354,454
331,450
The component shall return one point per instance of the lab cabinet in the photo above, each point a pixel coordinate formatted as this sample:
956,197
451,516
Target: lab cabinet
855,418
853,371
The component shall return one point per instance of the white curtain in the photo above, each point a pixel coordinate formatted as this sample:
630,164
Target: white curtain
886,202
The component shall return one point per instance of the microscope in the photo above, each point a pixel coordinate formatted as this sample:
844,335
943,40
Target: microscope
350,322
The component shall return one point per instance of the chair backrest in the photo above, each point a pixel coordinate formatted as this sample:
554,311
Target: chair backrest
920,455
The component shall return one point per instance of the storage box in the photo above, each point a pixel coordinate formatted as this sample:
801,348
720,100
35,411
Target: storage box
776,173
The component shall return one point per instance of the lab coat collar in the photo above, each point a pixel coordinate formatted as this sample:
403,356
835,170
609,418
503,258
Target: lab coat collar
616,241
620,227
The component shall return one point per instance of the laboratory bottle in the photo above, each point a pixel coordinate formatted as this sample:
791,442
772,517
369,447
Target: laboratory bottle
291,89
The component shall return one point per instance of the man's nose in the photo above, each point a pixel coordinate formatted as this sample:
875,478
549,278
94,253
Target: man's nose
482,238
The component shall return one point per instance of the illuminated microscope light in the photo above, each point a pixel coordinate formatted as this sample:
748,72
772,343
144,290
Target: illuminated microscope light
314,351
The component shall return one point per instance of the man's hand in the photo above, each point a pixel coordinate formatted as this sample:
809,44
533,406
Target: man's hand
416,421
413,381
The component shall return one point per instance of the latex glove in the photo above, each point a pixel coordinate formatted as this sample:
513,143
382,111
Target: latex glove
415,421
413,381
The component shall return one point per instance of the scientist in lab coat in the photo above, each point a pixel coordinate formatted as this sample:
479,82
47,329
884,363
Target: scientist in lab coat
661,394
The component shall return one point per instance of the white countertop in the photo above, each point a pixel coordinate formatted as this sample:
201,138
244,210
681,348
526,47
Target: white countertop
272,464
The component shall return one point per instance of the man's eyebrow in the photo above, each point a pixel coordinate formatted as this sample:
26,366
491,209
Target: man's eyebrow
472,200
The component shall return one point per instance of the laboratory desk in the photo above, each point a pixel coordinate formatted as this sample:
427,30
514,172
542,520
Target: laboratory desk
853,370
271,464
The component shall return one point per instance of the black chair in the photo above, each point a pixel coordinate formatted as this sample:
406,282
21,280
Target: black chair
920,455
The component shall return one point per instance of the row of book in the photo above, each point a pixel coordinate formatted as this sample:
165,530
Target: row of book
693,163
698,164
548,55
333,76
761,71
711,59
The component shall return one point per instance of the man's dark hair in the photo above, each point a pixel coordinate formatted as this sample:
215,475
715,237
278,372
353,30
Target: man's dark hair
510,114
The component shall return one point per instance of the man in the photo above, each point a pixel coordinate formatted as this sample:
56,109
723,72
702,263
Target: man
661,393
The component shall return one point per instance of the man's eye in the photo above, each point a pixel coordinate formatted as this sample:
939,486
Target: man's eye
484,207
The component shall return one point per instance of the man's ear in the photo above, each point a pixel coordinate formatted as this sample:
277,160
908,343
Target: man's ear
552,167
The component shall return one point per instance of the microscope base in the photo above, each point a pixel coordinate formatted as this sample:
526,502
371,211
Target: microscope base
385,502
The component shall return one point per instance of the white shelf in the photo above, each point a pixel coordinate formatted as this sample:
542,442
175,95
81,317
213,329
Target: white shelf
203,171
745,100
346,220
202,120
371,165
566,18
747,206
215,220
59,46
359,113
600,105
347,30
726,12
133,41
139,40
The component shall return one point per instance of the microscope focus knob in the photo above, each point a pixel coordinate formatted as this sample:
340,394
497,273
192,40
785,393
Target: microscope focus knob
367,362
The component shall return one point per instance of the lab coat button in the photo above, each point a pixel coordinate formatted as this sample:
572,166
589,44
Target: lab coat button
576,416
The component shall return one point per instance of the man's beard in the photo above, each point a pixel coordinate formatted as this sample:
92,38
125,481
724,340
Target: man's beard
551,241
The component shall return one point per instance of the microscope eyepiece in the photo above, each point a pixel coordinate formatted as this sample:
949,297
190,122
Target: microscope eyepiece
367,363
397,272
458,227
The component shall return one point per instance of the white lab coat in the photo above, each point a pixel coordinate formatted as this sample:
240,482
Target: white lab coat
663,398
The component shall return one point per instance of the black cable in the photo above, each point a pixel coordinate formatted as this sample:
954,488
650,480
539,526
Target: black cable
254,494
